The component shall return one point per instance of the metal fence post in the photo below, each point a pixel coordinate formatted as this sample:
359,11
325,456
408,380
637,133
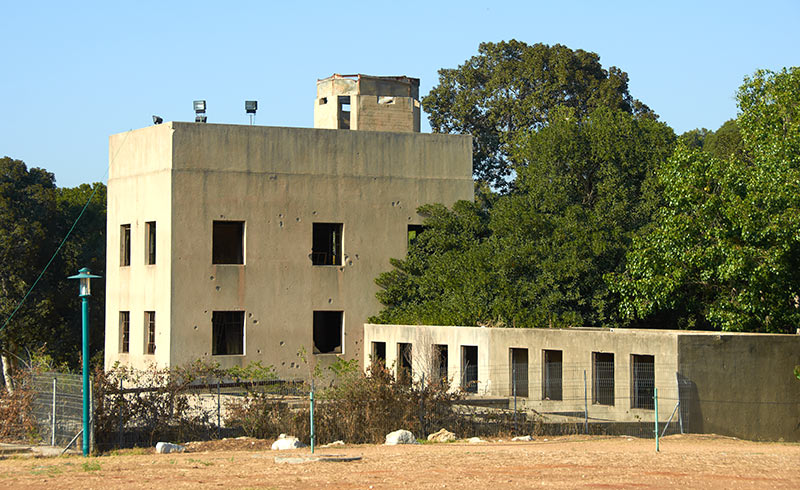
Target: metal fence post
219,415
311,404
680,409
53,433
585,405
655,402
514,390
119,415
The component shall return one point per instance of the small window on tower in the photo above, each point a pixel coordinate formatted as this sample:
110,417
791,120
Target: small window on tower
150,244
326,246
228,242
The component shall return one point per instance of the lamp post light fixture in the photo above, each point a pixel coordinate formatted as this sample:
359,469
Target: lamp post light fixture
250,107
84,277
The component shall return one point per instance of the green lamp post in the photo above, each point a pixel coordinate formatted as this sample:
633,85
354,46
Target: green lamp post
85,276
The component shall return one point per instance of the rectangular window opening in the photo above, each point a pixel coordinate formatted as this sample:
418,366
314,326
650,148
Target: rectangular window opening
326,244
328,329
150,243
125,245
439,364
603,378
552,375
228,242
469,368
413,232
404,371
379,353
643,381
124,331
519,372
344,111
227,333
150,331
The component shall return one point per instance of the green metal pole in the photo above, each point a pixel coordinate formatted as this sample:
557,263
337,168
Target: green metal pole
312,417
85,332
655,401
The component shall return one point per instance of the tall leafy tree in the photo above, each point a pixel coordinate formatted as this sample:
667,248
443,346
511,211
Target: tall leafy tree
511,87
35,216
725,250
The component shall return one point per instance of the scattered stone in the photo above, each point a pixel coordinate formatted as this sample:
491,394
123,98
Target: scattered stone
285,442
443,435
400,437
334,443
168,447
522,438
475,440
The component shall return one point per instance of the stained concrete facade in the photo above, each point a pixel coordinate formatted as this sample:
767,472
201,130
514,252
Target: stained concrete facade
264,196
728,383
367,103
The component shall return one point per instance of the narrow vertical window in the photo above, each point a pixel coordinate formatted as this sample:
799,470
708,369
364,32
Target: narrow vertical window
643,381
603,378
150,331
404,358
469,368
439,364
124,331
125,245
344,112
326,244
150,244
379,352
519,372
552,372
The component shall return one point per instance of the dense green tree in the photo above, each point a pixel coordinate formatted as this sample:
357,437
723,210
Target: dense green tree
511,87
536,256
725,250
35,216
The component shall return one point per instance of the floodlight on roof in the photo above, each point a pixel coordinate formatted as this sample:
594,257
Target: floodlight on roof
157,120
250,107
200,106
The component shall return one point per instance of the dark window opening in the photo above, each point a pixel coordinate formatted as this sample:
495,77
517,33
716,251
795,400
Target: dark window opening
379,353
344,112
519,372
150,325
643,381
328,332
551,384
228,242
227,333
124,331
404,370
323,100
469,368
150,244
413,233
440,364
326,245
125,245
603,378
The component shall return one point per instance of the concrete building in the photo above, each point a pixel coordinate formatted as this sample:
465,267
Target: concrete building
244,243
733,384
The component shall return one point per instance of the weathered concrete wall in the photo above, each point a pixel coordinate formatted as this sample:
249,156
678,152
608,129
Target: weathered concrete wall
138,191
742,384
279,181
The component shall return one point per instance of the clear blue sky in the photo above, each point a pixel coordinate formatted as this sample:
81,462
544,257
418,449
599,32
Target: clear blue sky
75,72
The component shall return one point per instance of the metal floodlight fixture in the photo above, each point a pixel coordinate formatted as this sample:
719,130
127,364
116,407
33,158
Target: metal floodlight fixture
200,119
250,106
200,106
157,119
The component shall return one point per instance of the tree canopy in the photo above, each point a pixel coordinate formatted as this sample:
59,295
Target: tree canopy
725,250
511,87
35,216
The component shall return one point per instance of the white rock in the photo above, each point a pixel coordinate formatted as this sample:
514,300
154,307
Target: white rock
168,447
522,438
443,435
400,437
334,443
286,442
475,440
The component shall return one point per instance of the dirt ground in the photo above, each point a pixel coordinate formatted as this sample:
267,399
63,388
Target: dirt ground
562,462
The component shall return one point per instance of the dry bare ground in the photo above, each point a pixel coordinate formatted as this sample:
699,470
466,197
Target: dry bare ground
564,462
